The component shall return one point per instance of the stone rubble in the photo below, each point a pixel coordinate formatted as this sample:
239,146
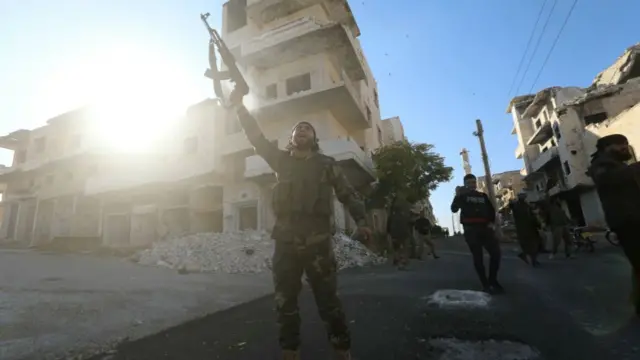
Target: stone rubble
239,252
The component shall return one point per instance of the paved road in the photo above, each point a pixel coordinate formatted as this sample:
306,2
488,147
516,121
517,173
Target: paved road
568,309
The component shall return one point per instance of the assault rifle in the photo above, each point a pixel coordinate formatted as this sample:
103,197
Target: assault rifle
233,73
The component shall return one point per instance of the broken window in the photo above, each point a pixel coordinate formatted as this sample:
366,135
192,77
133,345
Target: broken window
567,168
236,14
538,124
271,92
20,156
298,83
375,98
41,143
595,118
556,130
553,142
248,216
190,145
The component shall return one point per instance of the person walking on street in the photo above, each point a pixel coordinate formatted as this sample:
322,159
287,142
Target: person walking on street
559,223
618,185
399,228
423,233
526,230
477,216
302,203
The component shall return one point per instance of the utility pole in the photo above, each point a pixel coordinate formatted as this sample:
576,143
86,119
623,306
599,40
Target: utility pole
485,160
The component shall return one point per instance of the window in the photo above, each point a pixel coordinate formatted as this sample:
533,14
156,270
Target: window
368,114
271,92
556,130
41,144
553,142
248,216
236,14
566,167
50,179
190,145
21,156
375,98
298,83
380,135
595,118
544,149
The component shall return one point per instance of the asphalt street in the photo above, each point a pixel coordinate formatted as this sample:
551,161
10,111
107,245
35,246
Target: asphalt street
567,309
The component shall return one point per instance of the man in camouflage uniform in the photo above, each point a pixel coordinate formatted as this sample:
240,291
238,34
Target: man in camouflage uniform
400,230
303,206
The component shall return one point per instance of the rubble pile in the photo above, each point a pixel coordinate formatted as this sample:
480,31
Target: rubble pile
239,252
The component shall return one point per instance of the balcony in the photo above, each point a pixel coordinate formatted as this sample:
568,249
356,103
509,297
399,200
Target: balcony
132,173
519,151
265,11
304,37
542,135
357,165
544,158
337,94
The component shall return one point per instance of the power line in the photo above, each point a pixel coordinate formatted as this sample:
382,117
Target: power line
526,49
566,20
535,49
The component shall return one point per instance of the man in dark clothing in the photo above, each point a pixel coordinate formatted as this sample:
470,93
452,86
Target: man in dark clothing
618,185
423,233
526,230
303,205
477,216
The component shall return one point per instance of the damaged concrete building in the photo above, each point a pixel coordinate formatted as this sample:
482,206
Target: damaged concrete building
302,60
506,186
557,129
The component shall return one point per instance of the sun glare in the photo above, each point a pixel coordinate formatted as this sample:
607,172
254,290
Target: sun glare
135,96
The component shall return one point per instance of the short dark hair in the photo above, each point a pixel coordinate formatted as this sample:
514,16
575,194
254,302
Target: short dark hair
469,177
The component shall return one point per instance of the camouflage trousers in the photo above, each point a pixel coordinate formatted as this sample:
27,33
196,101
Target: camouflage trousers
317,261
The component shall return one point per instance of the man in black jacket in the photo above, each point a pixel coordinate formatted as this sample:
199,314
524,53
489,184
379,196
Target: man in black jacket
478,216
618,185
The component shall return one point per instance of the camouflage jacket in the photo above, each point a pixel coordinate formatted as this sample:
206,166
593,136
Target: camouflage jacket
302,197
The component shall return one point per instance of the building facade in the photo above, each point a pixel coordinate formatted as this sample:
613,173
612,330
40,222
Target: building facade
302,61
557,130
506,186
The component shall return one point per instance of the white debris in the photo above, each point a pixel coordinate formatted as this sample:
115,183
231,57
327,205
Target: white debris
240,252
460,298
455,349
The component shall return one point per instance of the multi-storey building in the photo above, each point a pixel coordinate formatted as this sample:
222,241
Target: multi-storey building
302,61
557,129
506,186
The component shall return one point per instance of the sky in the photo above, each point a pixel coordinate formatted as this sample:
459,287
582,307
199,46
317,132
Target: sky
439,64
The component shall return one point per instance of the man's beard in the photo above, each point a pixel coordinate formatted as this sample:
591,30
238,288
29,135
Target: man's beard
302,145
623,155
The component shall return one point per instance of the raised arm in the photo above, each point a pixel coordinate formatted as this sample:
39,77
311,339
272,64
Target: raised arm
263,147
347,195
455,204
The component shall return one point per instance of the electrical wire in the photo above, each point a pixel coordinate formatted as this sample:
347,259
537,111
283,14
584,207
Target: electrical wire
526,49
535,49
566,20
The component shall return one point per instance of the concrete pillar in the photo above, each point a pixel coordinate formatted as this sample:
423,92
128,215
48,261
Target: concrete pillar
35,224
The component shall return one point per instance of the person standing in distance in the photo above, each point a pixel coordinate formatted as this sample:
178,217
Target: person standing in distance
477,216
303,206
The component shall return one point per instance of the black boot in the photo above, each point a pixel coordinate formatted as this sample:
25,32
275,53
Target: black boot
496,288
